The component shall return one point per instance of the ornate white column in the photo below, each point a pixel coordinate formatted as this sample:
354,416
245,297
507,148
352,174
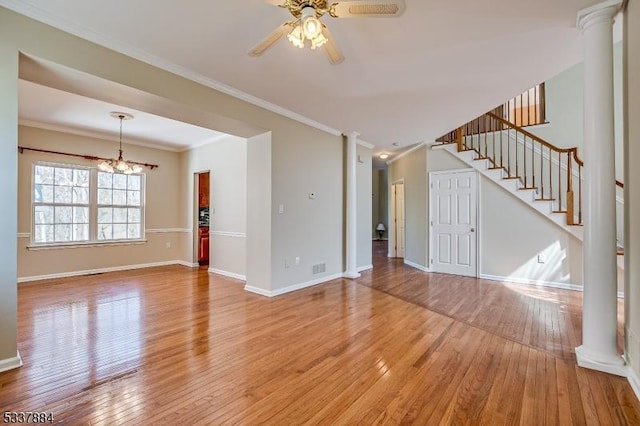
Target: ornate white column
599,318
352,216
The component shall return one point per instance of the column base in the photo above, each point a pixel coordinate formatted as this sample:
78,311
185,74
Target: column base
351,275
611,364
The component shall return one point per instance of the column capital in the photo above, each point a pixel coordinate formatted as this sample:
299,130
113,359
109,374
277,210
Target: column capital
600,12
352,134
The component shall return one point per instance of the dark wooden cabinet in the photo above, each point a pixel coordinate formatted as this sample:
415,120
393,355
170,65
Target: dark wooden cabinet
203,189
203,246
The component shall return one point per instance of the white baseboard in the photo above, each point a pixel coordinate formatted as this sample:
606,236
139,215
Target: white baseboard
365,268
526,281
227,274
257,290
539,283
281,291
11,363
187,264
102,270
607,364
634,380
415,265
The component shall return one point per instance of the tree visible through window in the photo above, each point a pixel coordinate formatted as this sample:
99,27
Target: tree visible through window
78,204
119,212
61,204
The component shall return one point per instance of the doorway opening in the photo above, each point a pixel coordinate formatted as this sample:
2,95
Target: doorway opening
201,240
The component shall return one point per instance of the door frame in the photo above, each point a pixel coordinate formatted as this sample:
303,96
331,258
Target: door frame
195,231
392,238
430,208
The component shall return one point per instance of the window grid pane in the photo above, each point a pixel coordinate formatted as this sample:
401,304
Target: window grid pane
60,204
119,211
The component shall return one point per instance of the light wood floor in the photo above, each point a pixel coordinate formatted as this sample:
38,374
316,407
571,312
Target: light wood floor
176,346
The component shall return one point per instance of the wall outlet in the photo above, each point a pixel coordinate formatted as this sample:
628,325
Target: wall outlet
167,245
297,260
541,258
281,209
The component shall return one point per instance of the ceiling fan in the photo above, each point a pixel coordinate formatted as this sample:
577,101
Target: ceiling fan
307,26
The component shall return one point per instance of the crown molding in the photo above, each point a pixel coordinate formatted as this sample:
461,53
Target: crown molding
103,136
407,152
144,56
366,144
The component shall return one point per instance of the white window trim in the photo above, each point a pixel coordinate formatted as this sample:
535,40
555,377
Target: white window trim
93,213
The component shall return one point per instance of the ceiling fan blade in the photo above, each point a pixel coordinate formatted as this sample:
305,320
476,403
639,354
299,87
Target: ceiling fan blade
276,35
367,9
330,48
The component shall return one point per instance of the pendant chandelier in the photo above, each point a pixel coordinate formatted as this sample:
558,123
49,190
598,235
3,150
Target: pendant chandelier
120,165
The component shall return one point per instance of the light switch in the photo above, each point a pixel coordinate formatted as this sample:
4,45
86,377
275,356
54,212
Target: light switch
281,208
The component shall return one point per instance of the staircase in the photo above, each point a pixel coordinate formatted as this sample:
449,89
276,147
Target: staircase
547,178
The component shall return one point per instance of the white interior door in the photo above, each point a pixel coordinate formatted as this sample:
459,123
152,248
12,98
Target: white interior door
400,221
454,222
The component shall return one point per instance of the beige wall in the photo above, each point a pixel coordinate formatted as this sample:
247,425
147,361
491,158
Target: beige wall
413,169
363,209
9,195
512,235
226,160
564,108
161,207
632,188
260,212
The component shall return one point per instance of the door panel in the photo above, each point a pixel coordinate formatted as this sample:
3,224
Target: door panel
453,203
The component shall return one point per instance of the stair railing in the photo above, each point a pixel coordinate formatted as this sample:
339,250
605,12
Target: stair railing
554,173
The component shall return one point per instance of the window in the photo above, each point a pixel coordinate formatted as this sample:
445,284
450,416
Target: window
528,108
119,210
74,204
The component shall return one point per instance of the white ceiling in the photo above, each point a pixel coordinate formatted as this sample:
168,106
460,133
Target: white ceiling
43,106
404,80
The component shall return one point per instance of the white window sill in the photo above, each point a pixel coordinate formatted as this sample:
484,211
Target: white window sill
85,244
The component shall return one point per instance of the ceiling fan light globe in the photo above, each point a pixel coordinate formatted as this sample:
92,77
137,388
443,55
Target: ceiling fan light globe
318,41
296,37
311,27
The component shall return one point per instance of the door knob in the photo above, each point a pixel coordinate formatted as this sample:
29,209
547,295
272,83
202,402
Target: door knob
473,229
